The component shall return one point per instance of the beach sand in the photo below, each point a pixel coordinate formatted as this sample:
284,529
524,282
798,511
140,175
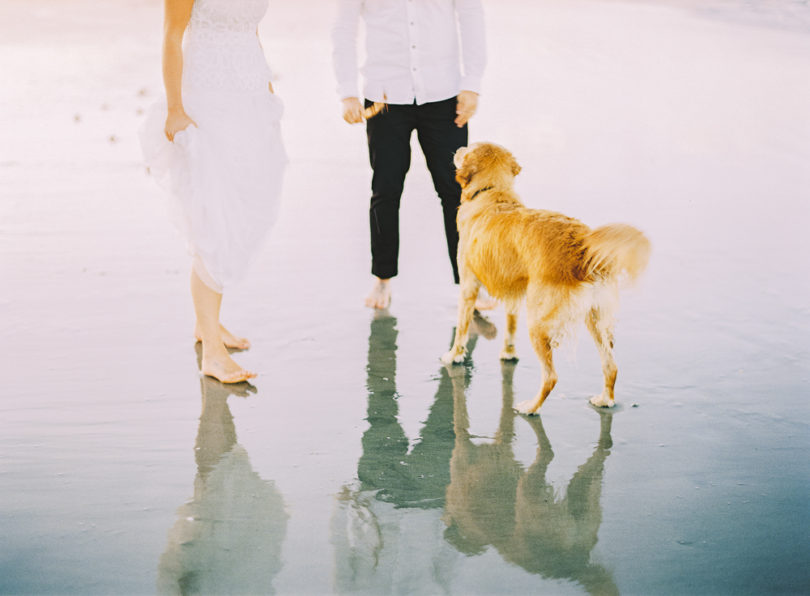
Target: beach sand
356,462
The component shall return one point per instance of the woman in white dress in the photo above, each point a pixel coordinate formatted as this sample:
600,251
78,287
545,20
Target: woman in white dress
216,145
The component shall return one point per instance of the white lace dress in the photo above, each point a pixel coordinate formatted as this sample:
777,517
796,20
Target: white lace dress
224,175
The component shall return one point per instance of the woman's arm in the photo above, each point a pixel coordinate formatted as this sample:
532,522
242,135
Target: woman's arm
176,16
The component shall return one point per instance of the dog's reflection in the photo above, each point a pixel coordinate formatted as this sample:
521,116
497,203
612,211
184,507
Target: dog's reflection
227,539
387,530
492,500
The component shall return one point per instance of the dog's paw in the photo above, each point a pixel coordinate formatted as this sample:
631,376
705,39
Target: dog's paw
453,357
600,401
526,408
509,354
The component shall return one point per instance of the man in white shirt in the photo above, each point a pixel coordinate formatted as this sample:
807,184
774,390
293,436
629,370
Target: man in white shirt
415,50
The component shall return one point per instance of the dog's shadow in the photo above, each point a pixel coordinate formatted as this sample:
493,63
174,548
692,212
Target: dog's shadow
493,501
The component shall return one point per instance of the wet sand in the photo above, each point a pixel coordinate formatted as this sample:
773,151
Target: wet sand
356,462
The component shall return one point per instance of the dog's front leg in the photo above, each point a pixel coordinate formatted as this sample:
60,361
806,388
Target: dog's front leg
466,307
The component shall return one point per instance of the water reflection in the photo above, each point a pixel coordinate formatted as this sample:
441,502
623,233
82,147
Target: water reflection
227,539
414,514
387,531
493,501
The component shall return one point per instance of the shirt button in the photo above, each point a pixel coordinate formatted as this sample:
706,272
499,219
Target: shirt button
413,47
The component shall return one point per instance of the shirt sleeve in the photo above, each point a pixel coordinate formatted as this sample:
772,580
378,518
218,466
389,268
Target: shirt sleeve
344,47
473,43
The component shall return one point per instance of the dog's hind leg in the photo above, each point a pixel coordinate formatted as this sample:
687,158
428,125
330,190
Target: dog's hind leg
541,340
600,325
508,352
466,306
541,314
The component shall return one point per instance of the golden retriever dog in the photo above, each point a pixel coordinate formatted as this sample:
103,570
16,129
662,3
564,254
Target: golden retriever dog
566,271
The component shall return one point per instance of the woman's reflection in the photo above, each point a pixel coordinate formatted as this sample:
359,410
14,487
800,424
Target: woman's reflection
227,538
492,500
387,531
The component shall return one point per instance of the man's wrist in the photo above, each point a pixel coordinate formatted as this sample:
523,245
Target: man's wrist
471,83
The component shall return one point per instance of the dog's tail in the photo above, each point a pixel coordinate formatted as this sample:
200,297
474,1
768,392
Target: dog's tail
616,251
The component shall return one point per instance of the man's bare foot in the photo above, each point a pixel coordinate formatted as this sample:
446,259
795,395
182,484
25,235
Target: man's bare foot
228,338
380,296
224,369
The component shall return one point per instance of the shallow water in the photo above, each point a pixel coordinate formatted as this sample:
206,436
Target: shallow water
356,462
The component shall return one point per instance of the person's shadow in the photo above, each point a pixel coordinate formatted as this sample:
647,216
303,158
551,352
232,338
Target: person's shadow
493,500
378,528
227,539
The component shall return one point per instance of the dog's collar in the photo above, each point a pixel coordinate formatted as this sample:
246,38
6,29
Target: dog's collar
479,191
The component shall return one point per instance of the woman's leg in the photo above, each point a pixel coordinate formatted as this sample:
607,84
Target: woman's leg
216,362
229,339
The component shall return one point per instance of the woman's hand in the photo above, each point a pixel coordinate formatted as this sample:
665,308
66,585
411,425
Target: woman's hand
176,121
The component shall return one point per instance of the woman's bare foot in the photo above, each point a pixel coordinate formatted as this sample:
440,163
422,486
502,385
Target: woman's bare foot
228,338
223,368
380,296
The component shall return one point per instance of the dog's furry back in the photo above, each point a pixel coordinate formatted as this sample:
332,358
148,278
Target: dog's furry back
507,245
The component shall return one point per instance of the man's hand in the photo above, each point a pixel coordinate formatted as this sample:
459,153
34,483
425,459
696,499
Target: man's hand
352,110
467,103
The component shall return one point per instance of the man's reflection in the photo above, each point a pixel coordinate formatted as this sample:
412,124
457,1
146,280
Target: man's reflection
227,539
492,500
388,530
414,513
418,478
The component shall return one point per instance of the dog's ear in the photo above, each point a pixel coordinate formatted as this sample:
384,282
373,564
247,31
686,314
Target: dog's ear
465,173
515,166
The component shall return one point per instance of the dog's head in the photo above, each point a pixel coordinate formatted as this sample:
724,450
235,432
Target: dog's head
488,161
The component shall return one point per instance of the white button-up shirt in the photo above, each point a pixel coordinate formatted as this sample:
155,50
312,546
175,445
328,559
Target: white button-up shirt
413,50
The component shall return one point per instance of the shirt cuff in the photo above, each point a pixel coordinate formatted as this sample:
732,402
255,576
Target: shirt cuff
345,90
471,83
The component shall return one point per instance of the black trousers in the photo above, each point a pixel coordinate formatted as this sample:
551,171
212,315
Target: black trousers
389,150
